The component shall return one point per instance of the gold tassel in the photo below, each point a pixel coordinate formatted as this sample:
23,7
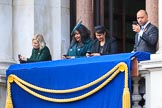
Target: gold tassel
126,98
9,102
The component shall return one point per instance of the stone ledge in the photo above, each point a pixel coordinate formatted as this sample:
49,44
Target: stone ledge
150,64
156,57
2,80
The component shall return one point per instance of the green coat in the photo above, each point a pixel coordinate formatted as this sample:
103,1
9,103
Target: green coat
40,55
80,52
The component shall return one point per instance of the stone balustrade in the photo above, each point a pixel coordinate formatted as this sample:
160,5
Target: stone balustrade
150,88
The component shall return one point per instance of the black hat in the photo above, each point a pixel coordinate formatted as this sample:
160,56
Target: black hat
100,29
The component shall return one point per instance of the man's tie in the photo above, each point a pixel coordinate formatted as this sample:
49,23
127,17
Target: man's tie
140,35
142,28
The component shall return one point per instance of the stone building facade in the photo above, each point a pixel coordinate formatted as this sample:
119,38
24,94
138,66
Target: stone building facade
21,19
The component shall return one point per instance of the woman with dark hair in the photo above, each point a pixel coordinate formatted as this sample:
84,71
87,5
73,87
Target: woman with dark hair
103,44
80,44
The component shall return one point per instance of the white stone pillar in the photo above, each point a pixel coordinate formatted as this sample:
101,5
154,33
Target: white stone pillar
85,13
23,27
59,27
158,54
160,26
6,49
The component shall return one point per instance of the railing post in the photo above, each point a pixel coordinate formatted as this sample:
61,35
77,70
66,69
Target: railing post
136,97
146,75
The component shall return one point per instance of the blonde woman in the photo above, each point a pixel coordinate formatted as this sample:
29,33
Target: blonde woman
40,51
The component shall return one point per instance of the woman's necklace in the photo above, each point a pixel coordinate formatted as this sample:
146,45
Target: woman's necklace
79,46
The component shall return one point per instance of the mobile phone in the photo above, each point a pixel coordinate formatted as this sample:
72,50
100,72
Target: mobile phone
135,22
19,55
89,52
65,55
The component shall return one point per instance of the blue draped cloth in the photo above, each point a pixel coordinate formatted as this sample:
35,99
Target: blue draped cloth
72,73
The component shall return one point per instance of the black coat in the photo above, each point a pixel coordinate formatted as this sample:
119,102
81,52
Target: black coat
110,46
39,55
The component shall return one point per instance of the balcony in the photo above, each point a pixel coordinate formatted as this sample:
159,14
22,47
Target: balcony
146,86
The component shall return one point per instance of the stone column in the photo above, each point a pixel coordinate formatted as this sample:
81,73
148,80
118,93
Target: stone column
160,25
155,10
23,27
152,9
59,27
6,49
85,13
52,18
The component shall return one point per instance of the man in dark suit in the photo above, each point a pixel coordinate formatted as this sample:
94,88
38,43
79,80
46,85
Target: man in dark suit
146,37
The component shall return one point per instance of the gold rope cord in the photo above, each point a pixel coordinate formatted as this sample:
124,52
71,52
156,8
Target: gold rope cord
69,99
68,90
119,67
8,99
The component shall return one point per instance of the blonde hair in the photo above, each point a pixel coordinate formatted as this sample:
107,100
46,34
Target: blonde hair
40,39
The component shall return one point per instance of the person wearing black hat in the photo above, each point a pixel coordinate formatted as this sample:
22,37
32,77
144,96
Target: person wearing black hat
103,44
80,44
